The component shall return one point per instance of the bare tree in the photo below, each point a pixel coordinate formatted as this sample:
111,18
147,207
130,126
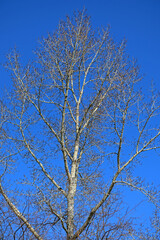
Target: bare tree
73,128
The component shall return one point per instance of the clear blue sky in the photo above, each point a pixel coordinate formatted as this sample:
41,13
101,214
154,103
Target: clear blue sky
23,22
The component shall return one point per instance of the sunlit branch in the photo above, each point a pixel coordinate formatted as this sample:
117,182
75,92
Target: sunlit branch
38,161
19,214
142,190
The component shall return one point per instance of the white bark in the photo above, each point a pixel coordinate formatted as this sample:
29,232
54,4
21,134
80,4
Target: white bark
19,214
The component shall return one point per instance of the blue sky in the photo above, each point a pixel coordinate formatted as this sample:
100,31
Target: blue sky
23,22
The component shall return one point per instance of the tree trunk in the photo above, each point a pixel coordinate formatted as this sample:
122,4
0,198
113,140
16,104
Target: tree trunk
70,221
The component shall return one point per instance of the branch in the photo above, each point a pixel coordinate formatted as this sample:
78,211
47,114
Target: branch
144,126
38,161
42,167
142,190
63,131
19,214
122,130
57,215
144,148
93,211
53,211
